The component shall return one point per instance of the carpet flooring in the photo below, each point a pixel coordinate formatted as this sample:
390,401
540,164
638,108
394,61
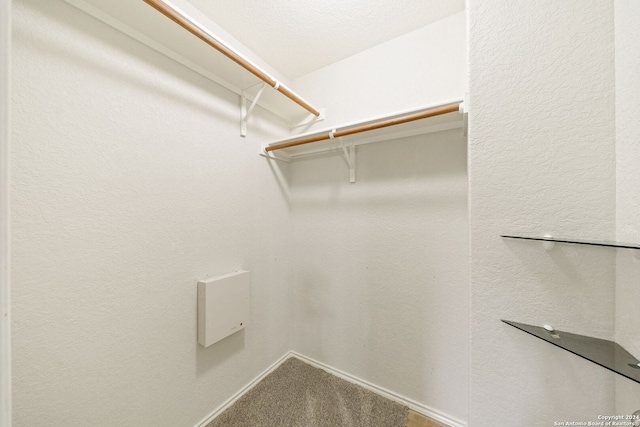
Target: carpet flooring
299,395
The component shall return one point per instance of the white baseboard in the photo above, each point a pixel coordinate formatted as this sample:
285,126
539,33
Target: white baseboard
411,404
243,391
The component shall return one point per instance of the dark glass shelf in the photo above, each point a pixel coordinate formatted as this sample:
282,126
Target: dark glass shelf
605,353
605,243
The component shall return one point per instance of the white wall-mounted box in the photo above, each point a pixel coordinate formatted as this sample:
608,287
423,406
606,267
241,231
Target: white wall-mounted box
223,306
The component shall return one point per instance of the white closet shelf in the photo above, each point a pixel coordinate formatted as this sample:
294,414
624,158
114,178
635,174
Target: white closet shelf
142,22
441,116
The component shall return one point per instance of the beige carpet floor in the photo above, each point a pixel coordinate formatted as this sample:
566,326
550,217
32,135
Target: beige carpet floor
299,395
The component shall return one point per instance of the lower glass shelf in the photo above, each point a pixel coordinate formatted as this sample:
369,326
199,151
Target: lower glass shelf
607,354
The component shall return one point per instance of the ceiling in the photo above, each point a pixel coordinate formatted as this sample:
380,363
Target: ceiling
297,37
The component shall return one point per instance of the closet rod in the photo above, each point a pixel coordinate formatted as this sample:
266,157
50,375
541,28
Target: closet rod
195,29
431,112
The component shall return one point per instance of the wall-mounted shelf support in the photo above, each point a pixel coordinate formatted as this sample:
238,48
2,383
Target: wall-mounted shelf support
605,353
548,244
350,157
246,112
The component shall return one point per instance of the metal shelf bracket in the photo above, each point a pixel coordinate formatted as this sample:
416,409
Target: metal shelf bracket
350,157
246,112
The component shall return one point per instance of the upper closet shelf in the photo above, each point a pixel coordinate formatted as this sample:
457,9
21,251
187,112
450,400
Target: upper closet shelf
181,32
433,118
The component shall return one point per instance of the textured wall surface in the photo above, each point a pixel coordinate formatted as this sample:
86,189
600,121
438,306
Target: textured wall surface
381,266
541,160
301,36
5,327
380,270
420,68
130,183
627,31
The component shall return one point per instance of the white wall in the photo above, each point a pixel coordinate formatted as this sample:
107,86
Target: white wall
130,183
420,68
381,266
126,193
5,327
541,159
380,271
627,33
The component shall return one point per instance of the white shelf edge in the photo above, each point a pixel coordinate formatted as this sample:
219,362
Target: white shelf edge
170,53
369,120
275,155
293,153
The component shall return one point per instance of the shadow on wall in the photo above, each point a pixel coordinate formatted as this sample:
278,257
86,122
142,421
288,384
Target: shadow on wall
313,306
210,358
282,176
563,279
401,159
420,171
61,14
381,266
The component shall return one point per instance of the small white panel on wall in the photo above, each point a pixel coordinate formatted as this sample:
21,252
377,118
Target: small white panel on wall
223,306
